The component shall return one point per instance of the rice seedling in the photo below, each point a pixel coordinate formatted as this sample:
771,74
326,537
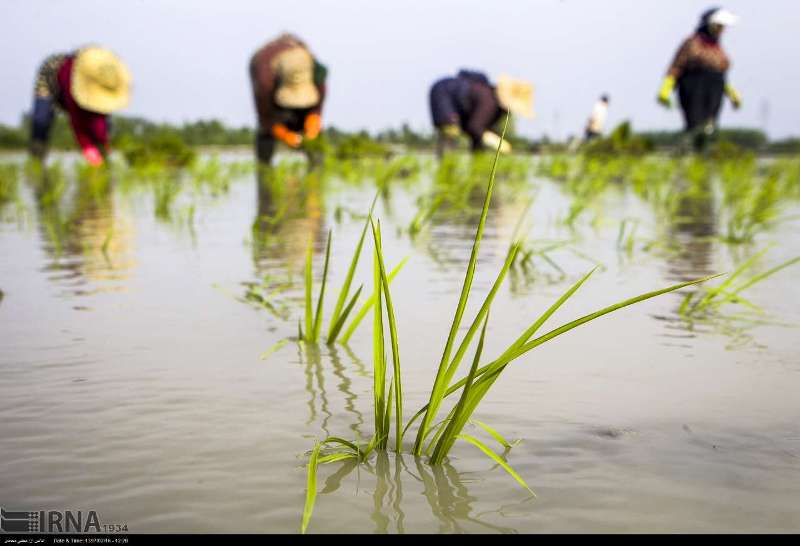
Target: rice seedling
313,320
210,174
750,207
165,148
557,168
729,291
345,302
442,435
424,213
627,234
216,176
343,308
50,183
404,167
165,192
9,182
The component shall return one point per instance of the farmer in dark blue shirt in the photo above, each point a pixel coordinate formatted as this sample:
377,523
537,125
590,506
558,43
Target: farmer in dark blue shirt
470,103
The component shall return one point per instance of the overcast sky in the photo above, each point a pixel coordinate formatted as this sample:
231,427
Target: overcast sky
189,58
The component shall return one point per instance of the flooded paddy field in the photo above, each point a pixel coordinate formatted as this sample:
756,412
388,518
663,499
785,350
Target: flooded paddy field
136,309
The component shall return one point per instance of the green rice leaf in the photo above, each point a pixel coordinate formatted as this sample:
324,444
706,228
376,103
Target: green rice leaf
341,441
344,292
439,385
332,458
713,291
320,301
398,391
368,305
496,435
597,314
496,458
454,426
275,348
309,281
378,354
758,278
311,487
484,310
520,347
337,326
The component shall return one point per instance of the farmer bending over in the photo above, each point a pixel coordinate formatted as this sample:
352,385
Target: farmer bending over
87,84
470,103
289,89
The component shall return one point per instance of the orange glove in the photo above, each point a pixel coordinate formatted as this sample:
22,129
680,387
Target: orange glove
282,133
312,126
93,156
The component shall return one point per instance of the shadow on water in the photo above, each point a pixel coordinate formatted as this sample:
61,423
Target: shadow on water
691,229
290,210
694,227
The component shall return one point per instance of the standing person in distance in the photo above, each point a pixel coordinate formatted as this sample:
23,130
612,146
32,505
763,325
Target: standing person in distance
699,70
594,127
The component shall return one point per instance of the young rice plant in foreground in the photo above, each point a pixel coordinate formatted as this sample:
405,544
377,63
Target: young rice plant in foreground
436,438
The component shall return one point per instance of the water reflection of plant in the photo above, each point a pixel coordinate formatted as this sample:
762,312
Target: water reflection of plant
443,487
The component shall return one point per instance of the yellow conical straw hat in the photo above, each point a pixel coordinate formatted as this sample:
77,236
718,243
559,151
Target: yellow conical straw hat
295,69
516,96
100,81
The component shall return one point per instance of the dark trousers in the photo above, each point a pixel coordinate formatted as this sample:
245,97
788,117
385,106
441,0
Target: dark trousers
265,145
444,143
700,93
42,118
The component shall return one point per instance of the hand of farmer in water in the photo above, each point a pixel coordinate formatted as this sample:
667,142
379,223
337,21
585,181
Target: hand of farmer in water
93,156
492,141
290,138
312,126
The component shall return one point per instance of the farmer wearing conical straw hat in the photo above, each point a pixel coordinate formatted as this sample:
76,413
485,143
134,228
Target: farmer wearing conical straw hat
289,89
88,85
699,69
468,102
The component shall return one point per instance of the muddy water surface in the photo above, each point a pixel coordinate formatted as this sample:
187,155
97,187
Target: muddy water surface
132,382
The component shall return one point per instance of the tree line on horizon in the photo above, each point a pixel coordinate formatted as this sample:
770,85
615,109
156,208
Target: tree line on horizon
214,132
